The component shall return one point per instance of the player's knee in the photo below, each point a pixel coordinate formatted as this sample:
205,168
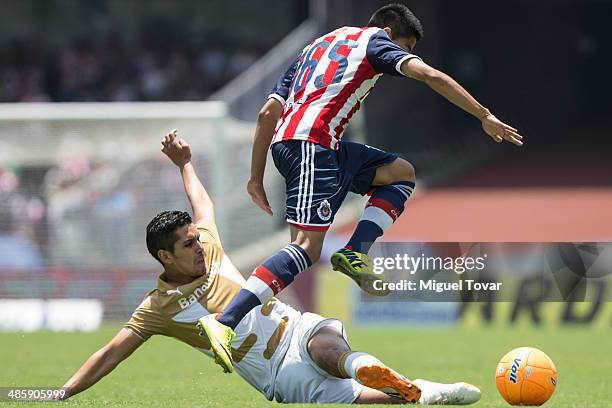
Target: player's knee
326,347
405,171
398,171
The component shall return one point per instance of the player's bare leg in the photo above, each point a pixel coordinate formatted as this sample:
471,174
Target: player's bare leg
396,171
310,241
330,352
372,396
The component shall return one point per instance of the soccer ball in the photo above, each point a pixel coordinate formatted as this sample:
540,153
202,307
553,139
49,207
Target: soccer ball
526,376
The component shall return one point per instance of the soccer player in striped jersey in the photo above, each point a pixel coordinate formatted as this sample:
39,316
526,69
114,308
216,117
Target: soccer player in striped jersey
303,121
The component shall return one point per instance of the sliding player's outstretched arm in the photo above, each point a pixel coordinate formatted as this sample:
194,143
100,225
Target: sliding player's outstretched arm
179,152
103,362
455,93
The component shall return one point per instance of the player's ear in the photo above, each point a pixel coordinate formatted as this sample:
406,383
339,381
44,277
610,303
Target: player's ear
165,256
388,31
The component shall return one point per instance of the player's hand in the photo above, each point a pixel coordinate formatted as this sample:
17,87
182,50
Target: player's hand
499,131
176,149
258,195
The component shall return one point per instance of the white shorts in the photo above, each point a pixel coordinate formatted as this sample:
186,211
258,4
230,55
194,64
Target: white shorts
300,380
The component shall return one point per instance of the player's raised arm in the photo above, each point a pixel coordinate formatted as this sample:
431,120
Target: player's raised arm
179,152
390,53
103,362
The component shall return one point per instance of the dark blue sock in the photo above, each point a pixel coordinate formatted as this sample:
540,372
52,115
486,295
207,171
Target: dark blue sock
385,205
267,280
365,230
242,303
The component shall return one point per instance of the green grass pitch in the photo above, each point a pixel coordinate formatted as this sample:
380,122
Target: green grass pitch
166,373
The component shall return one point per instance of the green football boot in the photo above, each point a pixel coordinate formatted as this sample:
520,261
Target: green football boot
358,267
220,337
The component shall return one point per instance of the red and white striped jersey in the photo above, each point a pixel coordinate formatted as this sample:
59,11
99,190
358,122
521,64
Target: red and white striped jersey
323,88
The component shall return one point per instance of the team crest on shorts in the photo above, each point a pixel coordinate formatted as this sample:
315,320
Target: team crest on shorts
324,210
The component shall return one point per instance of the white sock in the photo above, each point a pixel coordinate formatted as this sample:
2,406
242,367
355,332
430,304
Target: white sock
427,389
433,393
351,361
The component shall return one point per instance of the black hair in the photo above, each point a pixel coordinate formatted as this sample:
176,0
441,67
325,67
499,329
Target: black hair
400,19
161,231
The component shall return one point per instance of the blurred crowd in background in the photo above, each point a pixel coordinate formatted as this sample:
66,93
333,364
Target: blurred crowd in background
86,71
131,50
21,214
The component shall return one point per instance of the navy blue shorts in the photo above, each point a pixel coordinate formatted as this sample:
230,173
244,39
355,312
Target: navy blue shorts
318,179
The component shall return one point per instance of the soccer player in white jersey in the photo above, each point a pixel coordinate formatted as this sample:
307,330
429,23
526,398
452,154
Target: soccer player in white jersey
284,354
303,121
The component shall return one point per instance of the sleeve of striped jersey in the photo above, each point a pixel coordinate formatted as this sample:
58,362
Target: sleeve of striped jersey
385,56
146,322
280,92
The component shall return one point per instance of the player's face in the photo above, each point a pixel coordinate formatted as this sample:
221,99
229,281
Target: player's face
188,257
407,44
